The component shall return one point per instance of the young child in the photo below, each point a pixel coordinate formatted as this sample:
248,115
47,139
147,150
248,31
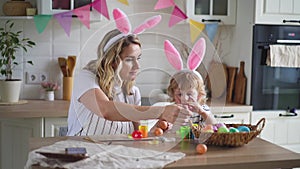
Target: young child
186,87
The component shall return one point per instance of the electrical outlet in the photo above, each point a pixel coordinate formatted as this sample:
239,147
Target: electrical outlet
43,77
32,78
36,77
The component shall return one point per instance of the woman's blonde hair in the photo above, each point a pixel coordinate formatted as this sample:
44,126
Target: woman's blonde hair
107,65
185,80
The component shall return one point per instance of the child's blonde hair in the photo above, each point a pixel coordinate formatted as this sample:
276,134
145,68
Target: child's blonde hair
185,80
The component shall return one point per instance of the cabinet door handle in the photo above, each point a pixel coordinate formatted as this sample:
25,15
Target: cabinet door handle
291,21
289,114
224,116
211,20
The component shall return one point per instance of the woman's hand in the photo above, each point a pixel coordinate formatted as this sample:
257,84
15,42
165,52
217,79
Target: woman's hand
176,115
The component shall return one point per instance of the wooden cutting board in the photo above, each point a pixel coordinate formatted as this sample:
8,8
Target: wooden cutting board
240,85
217,78
230,82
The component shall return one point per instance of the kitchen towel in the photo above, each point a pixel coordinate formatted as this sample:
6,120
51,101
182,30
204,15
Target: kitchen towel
103,156
285,55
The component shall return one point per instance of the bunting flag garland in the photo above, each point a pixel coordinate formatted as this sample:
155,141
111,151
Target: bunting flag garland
164,4
125,2
41,22
65,20
101,7
195,29
177,16
83,14
211,30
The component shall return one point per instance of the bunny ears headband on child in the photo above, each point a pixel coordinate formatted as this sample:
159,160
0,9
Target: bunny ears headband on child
124,26
194,59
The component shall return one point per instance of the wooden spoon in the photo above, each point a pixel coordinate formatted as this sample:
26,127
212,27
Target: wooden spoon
63,66
71,62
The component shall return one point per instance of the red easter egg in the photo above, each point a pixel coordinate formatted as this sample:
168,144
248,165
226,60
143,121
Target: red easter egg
137,134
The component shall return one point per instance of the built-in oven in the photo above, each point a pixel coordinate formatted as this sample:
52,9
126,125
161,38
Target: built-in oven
274,88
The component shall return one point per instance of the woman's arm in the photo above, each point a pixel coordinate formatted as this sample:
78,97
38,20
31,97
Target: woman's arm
96,101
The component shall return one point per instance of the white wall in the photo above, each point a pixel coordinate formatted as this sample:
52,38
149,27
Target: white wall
241,43
53,43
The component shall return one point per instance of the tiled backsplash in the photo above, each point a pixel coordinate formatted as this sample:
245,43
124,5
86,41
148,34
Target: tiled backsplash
53,42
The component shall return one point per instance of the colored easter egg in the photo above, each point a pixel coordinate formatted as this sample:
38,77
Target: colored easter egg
233,130
220,125
163,125
223,129
137,134
201,148
158,132
209,131
215,128
243,129
208,127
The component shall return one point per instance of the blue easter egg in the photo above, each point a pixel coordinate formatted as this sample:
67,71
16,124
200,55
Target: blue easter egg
243,129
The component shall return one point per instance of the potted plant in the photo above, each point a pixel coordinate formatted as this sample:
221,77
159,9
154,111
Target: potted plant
10,43
49,88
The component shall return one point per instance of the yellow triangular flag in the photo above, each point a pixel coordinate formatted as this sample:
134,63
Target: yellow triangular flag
195,29
125,2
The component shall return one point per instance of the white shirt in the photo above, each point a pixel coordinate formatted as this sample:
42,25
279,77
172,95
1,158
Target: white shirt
82,121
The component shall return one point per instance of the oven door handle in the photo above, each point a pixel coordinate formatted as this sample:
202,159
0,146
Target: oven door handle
287,41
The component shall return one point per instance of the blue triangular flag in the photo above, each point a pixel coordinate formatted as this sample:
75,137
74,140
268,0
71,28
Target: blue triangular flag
211,30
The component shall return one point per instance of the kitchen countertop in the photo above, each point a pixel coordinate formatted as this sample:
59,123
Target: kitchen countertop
59,108
36,108
257,154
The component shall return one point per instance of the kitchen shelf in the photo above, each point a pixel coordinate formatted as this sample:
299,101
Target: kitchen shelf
15,17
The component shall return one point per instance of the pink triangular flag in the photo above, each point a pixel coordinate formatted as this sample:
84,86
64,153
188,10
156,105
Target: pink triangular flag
83,14
65,20
101,7
177,16
164,4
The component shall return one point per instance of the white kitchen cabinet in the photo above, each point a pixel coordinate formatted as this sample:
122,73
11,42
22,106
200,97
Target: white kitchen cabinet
281,130
55,126
277,12
223,11
232,113
14,136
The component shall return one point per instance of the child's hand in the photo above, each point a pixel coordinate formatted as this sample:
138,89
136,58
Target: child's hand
194,106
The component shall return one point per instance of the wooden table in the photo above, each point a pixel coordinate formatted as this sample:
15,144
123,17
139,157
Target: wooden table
258,154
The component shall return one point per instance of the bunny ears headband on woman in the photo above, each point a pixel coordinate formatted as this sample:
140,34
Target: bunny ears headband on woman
194,59
124,26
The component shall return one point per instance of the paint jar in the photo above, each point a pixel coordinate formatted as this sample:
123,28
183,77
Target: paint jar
144,128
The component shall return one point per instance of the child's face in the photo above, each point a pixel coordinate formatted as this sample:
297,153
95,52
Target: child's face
181,97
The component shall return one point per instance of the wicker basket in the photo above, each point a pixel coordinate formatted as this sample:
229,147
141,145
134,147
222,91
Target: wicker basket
232,139
16,8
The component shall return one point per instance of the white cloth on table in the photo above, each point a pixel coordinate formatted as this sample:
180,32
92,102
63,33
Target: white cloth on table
285,55
104,156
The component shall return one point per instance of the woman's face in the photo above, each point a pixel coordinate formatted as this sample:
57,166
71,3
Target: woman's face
182,97
130,62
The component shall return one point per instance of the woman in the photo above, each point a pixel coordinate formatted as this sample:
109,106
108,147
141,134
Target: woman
104,99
